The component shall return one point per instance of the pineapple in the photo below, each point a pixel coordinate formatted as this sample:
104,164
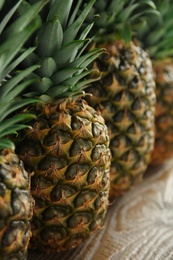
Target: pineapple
68,145
16,203
157,38
125,94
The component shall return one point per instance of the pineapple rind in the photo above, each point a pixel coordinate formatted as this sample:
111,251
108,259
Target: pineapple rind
157,38
16,206
125,96
71,161
163,148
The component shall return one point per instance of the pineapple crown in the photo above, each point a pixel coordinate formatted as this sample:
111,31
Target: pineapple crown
60,52
12,39
157,35
119,18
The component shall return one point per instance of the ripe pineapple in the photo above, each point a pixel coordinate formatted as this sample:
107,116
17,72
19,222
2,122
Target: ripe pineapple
125,93
16,203
157,38
68,145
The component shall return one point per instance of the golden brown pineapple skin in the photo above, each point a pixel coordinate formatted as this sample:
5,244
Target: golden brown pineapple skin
68,149
125,96
163,148
16,207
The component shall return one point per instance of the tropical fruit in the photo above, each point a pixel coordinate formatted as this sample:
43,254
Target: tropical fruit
125,94
67,147
16,207
157,38
16,203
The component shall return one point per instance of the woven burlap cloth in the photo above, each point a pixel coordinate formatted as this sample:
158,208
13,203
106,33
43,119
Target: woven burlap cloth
139,226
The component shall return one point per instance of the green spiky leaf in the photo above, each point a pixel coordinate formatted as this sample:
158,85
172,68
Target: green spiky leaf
157,35
8,16
50,38
57,11
12,121
61,43
73,29
6,144
65,55
12,53
82,63
15,63
11,85
119,18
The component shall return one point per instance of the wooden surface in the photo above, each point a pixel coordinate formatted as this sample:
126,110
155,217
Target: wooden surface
139,226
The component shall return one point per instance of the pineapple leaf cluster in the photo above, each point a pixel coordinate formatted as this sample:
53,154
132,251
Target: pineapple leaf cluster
157,35
12,37
60,47
120,17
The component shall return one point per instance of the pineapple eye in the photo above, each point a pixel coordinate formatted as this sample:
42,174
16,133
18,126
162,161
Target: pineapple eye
55,136
76,170
2,189
16,227
41,124
78,219
108,108
100,200
142,70
97,129
31,148
55,212
40,182
85,197
79,146
63,192
53,234
134,83
119,116
124,116
136,105
102,66
94,174
107,80
121,141
143,141
98,151
131,156
124,65
78,122
52,163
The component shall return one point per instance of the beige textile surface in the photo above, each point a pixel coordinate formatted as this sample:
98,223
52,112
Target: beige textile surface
139,226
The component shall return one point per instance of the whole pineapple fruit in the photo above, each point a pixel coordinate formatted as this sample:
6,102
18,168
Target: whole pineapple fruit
16,203
157,37
68,145
125,94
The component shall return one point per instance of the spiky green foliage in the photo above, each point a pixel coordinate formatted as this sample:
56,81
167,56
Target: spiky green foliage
16,203
118,19
63,67
157,38
68,145
12,39
156,35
